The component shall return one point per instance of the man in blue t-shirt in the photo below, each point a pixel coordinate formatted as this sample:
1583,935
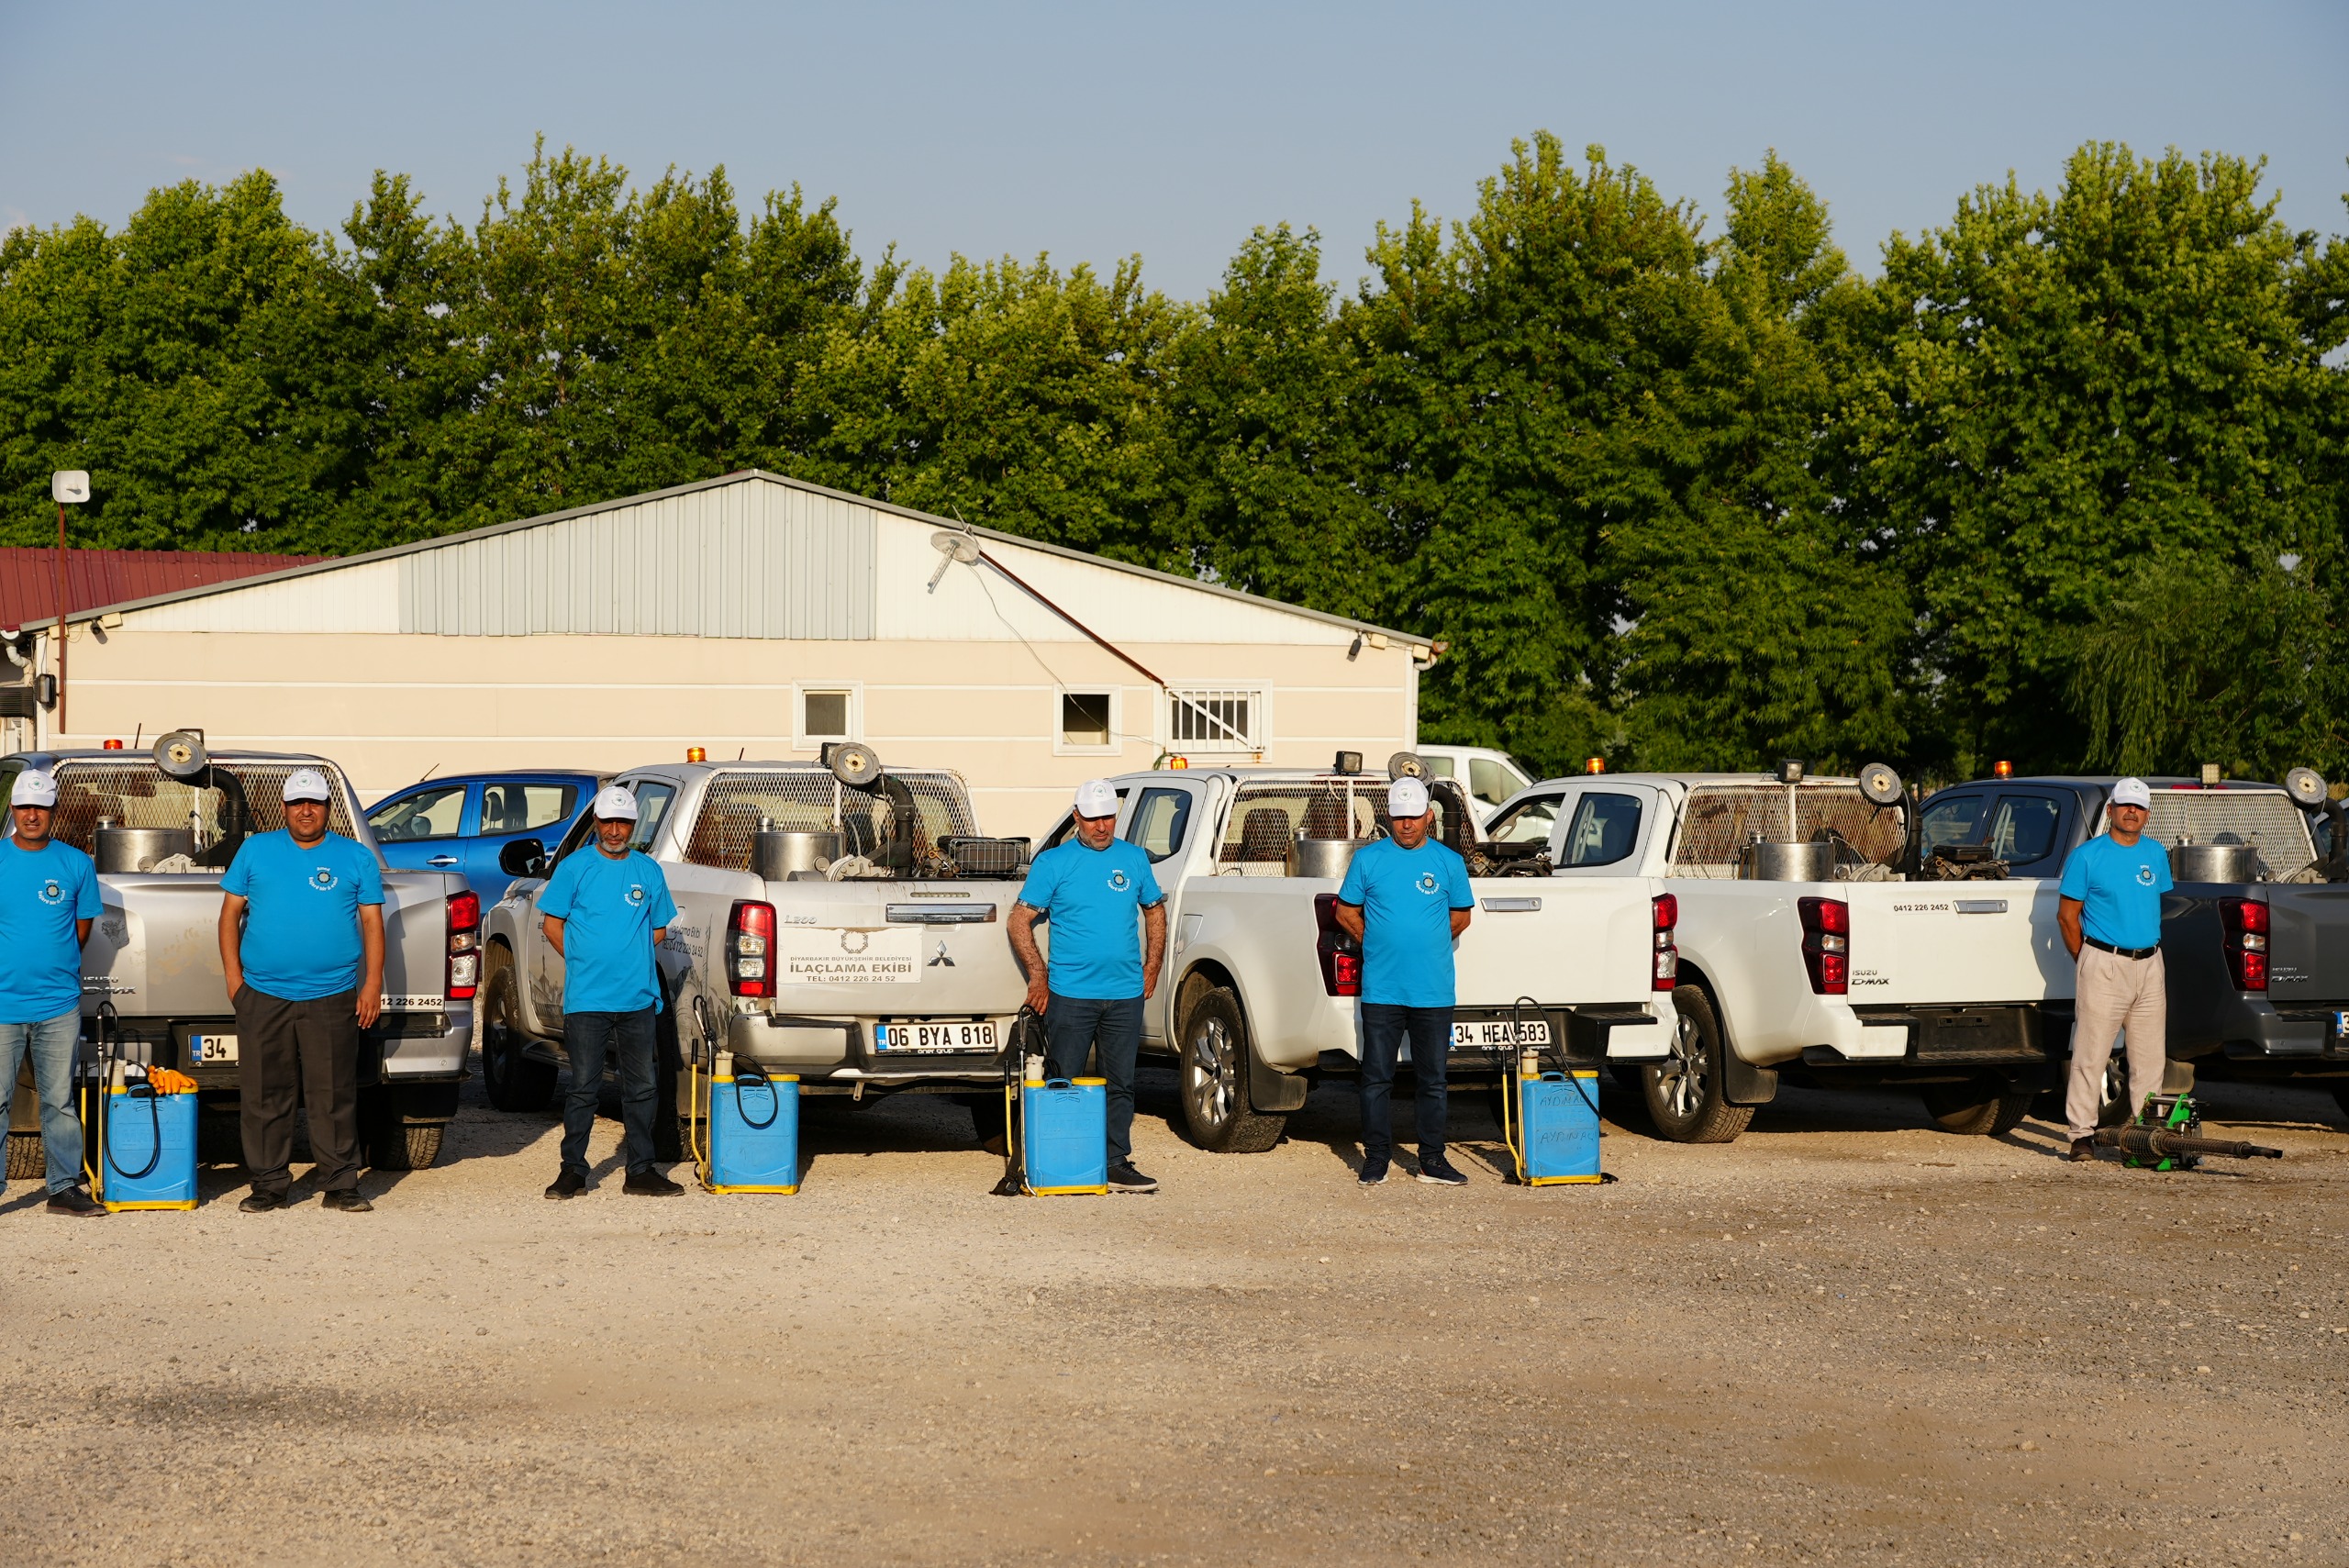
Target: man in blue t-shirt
49,895
2111,911
1094,888
302,951
605,910
1407,899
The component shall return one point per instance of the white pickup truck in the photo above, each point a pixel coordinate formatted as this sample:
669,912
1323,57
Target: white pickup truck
1814,946
1259,993
162,829
842,923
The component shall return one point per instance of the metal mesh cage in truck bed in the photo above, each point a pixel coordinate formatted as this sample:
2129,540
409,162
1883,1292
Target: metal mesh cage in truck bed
1266,815
2264,819
1719,819
225,803
934,809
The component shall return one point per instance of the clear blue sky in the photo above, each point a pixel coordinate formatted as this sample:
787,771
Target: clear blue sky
1096,131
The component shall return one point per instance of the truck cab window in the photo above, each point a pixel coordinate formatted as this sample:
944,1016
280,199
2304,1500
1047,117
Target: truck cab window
1606,828
1490,781
1160,821
2023,828
651,809
1529,823
429,814
1954,820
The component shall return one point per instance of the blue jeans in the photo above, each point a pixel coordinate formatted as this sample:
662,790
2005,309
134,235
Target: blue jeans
52,1044
626,1039
1384,1026
1073,1027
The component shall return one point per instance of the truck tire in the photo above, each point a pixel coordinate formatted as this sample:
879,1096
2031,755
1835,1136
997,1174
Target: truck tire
1979,1107
395,1146
27,1160
1214,1073
1684,1094
512,1081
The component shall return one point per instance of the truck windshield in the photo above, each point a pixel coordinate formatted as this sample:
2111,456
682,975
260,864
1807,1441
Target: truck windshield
205,818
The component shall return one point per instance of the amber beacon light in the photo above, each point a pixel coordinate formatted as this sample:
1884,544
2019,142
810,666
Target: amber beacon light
697,754
1594,764
2002,769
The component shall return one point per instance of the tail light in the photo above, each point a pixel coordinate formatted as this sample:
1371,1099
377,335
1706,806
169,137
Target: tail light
1827,944
464,946
749,948
2246,920
1668,955
1341,953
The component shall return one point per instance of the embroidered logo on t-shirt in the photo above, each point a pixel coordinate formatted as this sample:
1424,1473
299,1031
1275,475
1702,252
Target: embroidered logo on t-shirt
1428,882
323,879
51,893
635,893
1120,882
2144,876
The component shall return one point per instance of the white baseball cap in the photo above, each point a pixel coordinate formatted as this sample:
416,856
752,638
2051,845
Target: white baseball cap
613,804
2132,791
33,787
1096,798
1406,797
308,784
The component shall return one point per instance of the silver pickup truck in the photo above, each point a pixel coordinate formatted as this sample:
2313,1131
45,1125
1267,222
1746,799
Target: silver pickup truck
162,829
841,922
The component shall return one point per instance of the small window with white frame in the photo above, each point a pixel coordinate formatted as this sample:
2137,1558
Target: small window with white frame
1216,719
1086,720
822,712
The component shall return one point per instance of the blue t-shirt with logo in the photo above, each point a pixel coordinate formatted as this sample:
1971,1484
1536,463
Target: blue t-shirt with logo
2120,887
609,909
42,892
1093,898
301,939
1407,897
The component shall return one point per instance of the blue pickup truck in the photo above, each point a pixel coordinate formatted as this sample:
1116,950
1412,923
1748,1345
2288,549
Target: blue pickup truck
462,822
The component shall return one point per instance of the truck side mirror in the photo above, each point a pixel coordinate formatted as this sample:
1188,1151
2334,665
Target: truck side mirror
523,857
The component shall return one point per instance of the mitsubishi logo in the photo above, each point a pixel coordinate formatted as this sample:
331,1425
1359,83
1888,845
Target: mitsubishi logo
940,958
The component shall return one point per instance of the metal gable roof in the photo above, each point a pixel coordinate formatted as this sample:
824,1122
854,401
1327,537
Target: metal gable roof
742,476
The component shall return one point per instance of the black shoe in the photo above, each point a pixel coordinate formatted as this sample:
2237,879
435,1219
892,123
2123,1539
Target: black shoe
649,1184
571,1183
2083,1150
77,1203
1437,1171
259,1201
1124,1178
1373,1171
348,1202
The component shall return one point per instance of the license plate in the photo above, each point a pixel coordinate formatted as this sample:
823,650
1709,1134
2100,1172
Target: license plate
1487,1034
2341,1025
935,1036
211,1050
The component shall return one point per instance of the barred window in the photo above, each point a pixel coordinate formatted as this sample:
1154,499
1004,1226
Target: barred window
1226,719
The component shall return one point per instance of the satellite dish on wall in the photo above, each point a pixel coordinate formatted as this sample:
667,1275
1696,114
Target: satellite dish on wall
952,547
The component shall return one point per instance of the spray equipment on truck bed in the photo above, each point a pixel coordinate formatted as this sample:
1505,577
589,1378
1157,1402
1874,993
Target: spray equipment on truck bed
846,818
1790,826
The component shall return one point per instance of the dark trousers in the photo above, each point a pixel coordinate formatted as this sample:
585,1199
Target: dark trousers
626,1039
298,1050
1384,1027
1076,1026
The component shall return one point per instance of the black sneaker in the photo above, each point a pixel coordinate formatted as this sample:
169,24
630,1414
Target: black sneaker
1373,1172
2083,1150
77,1203
1124,1178
649,1184
348,1202
570,1184
1437,1171
259,1201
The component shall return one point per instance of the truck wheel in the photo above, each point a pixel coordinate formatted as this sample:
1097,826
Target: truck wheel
513,1082
1979,1107
1684,1092
26,1157
1215,1080
397,1147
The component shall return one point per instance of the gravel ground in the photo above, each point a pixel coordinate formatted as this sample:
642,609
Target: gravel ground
1847,1337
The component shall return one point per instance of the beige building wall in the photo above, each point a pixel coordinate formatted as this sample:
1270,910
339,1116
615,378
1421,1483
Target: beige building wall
438,657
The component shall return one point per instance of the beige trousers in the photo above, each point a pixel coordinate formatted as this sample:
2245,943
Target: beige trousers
2116,994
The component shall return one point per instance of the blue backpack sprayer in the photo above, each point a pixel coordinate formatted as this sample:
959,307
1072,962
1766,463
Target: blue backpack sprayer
745,1119
1056,1131
135,1162
1548,1117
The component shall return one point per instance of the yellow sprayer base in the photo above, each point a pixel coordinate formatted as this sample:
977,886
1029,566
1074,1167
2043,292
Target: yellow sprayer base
789,1189
1068,1192
119,1208
1559,1181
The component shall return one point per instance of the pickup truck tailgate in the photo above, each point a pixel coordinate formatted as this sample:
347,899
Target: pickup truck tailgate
2308,943
1951,943
1557,939
896,949
416,938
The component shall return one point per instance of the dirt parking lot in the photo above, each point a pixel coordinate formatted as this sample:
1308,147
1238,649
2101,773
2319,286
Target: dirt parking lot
1845,1338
